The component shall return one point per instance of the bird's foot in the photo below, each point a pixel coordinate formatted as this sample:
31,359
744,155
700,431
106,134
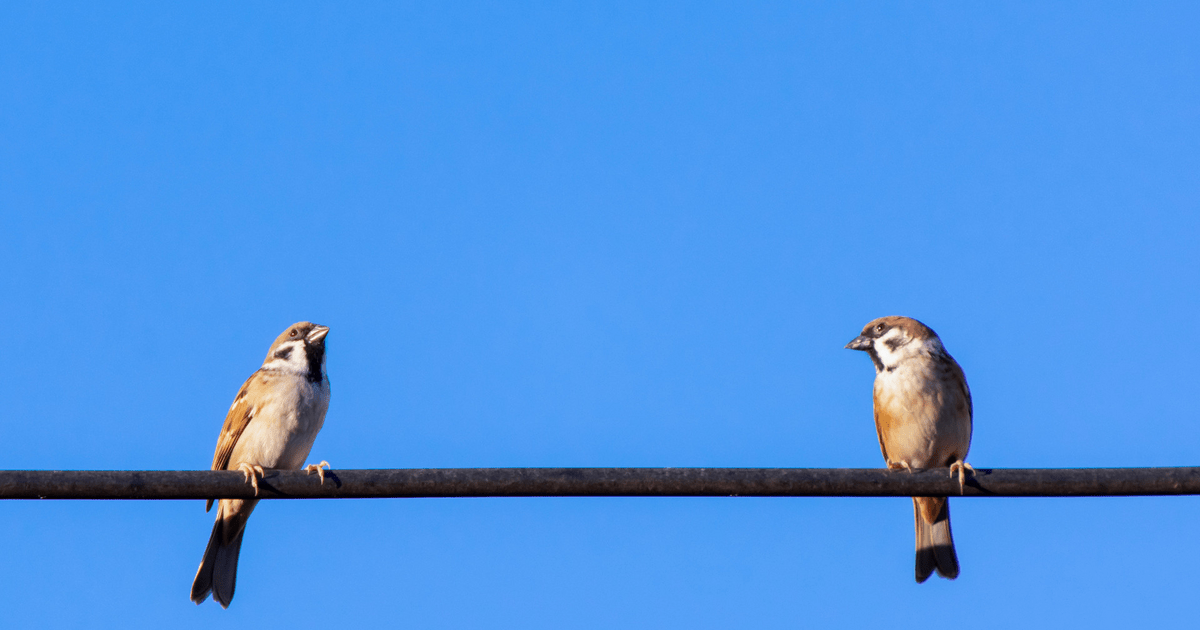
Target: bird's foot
319,469
962,468
252,473
899,466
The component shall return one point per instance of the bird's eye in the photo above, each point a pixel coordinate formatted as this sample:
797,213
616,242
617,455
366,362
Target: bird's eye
294,332
879,328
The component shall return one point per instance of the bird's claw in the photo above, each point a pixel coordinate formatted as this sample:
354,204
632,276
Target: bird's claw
319,469
899,466
962,468
252,472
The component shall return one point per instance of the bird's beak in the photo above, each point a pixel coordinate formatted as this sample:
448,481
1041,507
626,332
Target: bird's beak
317,334
859,343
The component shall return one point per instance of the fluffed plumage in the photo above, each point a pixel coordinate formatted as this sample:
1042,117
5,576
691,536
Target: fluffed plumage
271,424
923,418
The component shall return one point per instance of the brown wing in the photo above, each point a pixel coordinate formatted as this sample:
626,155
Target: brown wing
956,403
882,424
964,393
236,421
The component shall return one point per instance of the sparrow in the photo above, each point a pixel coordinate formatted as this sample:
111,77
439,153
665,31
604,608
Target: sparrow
923,420
271,425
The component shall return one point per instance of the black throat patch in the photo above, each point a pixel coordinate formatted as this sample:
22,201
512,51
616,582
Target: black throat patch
875,359
315,354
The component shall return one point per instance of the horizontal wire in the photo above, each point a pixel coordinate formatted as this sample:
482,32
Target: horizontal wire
597,482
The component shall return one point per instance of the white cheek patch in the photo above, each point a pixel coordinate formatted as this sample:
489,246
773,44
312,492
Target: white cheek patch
886,354
288,357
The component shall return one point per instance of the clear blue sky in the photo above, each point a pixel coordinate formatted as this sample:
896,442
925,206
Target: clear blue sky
601,235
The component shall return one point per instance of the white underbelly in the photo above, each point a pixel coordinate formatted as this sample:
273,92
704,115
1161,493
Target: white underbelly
271,447
925,431
913,443
281,434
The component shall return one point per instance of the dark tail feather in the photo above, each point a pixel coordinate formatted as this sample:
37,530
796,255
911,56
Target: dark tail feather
935,544
202,585
218,570
225,571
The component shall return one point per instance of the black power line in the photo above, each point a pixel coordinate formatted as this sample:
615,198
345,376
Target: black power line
598,482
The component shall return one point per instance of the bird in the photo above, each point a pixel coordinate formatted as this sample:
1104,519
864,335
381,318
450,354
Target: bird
271,424
923,418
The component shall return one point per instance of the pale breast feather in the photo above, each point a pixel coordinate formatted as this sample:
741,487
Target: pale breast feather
906,417
900,421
